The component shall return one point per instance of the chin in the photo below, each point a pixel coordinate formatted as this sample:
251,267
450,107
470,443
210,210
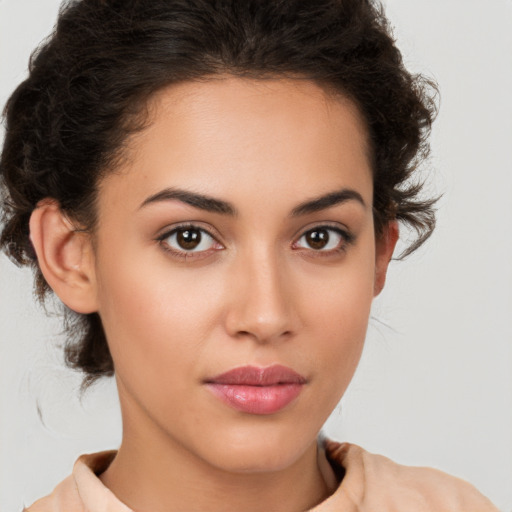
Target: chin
260,450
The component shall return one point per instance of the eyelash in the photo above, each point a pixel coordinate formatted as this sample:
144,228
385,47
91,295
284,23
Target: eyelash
346,239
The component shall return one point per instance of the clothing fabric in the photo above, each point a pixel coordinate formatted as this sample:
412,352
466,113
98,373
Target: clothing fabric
369,483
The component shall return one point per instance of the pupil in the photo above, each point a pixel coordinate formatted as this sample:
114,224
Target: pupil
318,238
189,238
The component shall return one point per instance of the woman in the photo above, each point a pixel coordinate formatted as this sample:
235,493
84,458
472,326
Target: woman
214,189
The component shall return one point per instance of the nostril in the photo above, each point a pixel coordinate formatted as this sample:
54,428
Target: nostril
263,335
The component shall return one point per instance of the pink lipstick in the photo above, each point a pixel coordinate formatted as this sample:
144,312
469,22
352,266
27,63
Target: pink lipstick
257,390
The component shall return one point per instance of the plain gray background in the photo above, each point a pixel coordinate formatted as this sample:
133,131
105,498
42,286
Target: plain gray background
435,383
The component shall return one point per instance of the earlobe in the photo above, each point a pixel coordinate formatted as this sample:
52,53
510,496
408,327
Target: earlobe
65,256
385,246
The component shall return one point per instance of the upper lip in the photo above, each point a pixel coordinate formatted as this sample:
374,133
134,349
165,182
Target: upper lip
256,376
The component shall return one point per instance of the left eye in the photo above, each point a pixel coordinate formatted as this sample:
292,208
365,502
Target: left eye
321,239
189,239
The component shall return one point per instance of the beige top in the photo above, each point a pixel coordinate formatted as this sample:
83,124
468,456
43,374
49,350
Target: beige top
371,483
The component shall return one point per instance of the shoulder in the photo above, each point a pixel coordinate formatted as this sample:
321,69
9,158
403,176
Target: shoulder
373,482
64,497
82,491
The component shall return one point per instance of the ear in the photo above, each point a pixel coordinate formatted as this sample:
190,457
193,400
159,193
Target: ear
384,247
65,256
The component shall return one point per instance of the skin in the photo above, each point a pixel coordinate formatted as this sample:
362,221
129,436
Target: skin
257,292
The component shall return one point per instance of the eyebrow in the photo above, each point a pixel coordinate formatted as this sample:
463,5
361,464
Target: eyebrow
211,204
194,199
327,201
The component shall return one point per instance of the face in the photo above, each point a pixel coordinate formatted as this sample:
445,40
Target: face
235,265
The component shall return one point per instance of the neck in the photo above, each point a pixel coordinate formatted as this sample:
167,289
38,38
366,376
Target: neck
153,472
160,484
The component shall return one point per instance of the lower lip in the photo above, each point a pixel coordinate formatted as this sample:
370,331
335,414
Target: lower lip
257,399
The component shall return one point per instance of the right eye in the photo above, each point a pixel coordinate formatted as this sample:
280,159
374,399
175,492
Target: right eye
186,240
324,239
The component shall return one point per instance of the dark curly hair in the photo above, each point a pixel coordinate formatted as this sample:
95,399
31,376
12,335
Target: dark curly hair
90,81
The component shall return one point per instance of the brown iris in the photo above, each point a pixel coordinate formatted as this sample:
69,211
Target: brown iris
317,238
188,238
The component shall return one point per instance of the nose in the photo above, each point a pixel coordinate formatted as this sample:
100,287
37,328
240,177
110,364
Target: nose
262,305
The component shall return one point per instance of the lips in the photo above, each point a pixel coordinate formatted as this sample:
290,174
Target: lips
256,390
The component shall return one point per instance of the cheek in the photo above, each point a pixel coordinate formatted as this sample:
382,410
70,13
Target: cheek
339,315
341,297
154,317
343,325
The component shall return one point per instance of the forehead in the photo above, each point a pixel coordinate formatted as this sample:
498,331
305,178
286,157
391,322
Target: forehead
227,135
